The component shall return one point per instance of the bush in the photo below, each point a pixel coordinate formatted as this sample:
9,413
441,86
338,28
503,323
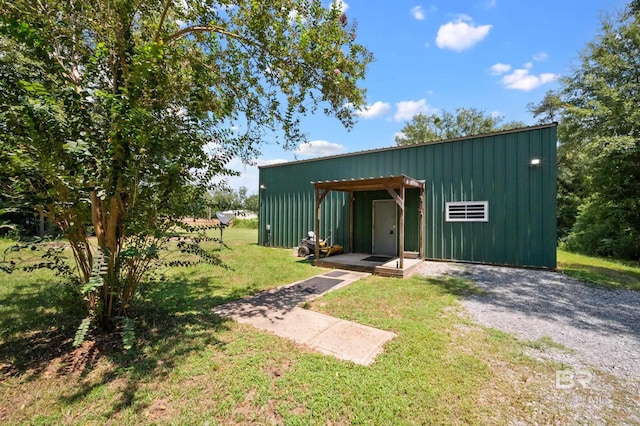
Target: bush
603,229
245,223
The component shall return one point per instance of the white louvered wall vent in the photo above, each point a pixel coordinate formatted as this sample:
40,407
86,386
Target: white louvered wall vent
467,211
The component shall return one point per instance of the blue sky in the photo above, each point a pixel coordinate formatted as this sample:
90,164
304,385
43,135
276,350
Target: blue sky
495,55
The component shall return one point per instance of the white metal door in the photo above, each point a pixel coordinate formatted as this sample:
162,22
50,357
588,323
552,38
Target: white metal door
384,227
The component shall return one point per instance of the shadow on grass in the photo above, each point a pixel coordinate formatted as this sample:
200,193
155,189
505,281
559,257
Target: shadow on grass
456,285
173,320
36,324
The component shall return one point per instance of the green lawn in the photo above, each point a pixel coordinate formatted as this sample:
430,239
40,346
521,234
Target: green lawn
191,367
608,273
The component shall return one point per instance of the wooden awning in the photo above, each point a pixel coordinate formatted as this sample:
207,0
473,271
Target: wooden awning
369,184
394,185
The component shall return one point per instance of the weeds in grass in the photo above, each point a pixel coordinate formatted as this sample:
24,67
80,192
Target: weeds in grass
607,273
546,342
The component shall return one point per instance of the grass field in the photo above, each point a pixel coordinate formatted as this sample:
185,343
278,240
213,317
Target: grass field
608,273
191,367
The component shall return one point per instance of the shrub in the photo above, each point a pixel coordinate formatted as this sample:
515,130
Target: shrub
245,223
602,229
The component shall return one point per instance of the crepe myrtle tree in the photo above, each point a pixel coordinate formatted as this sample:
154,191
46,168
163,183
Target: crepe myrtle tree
118,113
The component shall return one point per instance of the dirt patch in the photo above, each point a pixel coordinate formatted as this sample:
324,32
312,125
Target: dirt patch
161,409
249,413
276,371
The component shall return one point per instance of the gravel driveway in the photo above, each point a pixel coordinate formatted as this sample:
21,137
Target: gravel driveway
599,328
602,326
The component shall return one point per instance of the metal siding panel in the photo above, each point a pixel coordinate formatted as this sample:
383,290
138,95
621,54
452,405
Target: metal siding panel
456,195
523,227
411,242
300,224
549,200
437,208
287,217
309,211
363,209
398,164
480,192
432,186
447,178
276,227
344,221
425,168
535,201
476,239
511,198
497,202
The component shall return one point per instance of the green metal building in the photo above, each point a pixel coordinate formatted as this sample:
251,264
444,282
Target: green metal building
488,198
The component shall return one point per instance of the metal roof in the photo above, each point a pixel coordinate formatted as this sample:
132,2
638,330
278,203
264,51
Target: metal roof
391,148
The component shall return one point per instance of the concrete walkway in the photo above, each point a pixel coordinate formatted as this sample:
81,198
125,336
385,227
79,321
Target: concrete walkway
278,312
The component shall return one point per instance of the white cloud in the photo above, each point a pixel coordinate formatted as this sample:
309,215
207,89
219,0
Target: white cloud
490,4
406,110
520,79
500,68
376,110
418,13
461,34
343,6
319,148
528,65
541,56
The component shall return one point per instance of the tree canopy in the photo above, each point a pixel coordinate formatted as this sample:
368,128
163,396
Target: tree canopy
447,125
119,113
599,133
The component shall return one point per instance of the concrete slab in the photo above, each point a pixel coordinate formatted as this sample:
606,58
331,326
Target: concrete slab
382,267
351,341
299,325
276,311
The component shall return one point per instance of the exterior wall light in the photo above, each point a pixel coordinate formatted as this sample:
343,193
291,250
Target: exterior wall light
262,186
535,162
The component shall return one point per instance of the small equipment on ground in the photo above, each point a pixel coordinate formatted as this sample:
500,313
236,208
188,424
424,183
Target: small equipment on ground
307,246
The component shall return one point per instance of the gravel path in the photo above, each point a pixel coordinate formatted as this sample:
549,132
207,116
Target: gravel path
599,331
602,327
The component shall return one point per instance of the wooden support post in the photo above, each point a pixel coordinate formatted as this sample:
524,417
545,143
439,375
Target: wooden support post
351,222
319,198
401,263
421,223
